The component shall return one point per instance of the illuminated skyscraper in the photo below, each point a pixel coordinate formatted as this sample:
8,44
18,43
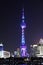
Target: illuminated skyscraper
3,54
1,50
23,46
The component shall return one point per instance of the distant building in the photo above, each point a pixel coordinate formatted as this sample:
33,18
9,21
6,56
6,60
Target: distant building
17,52
37,49
6,54
3,54
1,50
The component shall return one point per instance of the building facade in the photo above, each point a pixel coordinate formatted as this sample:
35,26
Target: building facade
37,49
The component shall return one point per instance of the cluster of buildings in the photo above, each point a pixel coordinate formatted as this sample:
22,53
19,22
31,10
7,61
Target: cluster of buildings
36,49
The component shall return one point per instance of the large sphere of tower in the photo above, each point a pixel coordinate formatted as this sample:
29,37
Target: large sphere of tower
23,25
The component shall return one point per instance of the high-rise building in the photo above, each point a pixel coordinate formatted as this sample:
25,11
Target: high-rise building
23,46
1,50
4,54
37,49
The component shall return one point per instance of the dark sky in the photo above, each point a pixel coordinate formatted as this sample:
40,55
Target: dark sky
10,19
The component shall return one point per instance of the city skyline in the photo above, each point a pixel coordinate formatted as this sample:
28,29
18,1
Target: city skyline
10,20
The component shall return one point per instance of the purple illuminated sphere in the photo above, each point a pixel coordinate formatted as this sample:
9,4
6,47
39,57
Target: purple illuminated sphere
23,25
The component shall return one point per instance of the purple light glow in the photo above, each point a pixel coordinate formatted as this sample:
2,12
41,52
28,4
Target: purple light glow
23,51
23,25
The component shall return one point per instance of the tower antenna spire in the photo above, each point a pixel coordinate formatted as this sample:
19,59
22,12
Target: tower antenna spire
23,15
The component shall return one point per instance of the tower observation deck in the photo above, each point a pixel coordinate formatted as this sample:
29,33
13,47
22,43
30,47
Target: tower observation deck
23,46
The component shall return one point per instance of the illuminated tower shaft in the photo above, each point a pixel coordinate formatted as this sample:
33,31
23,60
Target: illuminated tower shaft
23,46
23,38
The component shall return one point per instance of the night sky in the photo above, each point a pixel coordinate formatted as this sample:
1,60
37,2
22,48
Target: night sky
10,20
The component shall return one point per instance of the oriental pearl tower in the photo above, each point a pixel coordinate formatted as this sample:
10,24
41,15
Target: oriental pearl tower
23,47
